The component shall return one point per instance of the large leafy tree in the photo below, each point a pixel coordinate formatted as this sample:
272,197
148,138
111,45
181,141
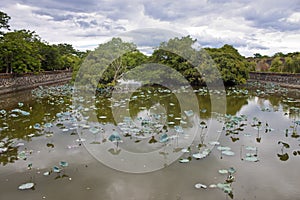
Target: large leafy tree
62,56
276,65
19,52
204,65
4,18
292,64
23,51
70,61
233,67
51,57
109,62
179,54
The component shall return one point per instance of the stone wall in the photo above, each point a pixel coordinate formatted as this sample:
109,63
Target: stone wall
15,82
283,79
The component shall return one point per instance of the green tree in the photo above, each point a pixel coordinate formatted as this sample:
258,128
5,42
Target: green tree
251,65
279,54
297,63
257,55
65,48
292,64
122,64
289,65
104,65
276,65
51,58
19,52
179,54
59,57
233,67
4,18
70,61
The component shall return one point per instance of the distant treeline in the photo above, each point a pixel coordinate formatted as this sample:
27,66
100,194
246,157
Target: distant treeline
279,62
23,51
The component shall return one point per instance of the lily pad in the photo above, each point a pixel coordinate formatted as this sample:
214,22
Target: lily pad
164,138
22,112
115,137
251,158
250,148
223,171
225,187
80,140
221,148
184,160
183,122
56,169
231,170
214,143
178,129
185,150
189,113
199,155
26,186
22,155
94,130
48,125
46,173
228,153
63,164
37,126
3,149
199,185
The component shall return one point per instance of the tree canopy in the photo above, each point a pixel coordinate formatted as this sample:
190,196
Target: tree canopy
279,62
233,67
23,51
4,18
111,60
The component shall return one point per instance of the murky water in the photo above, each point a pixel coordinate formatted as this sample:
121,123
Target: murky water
260,126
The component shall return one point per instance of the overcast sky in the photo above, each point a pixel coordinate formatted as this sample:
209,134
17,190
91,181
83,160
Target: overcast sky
251,26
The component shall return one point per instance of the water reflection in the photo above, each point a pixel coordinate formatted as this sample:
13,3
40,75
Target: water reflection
45,110
257,126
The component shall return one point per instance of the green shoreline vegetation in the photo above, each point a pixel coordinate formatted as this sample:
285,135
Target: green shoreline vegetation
23,51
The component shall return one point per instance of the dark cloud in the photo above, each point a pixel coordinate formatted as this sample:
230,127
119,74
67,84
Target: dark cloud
84,24
54,16
261,14
164,11
271,18
149,37
257,46
70,5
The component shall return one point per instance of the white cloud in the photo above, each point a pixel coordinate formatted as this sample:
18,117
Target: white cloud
294,18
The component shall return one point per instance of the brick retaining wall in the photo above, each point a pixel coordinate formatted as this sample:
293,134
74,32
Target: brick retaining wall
16,82
283,79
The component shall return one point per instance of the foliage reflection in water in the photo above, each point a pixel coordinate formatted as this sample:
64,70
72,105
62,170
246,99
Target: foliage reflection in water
261,125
